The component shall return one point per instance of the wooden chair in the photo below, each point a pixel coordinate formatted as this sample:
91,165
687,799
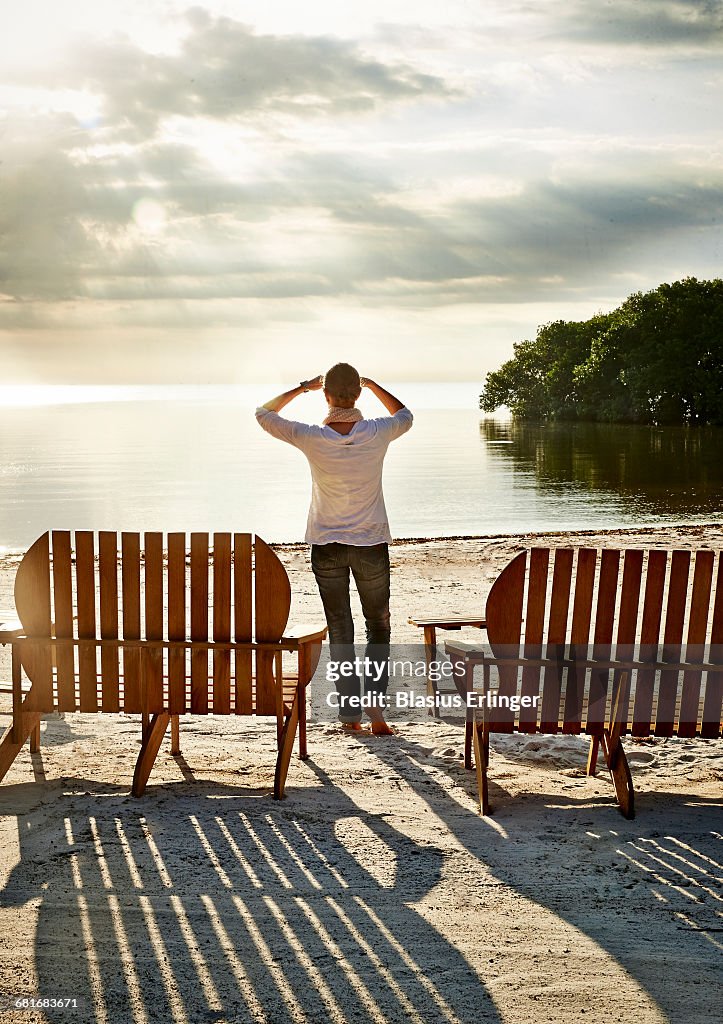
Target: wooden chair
604,643
141,641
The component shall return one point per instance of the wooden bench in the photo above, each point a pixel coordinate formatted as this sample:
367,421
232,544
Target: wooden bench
160,626
609,643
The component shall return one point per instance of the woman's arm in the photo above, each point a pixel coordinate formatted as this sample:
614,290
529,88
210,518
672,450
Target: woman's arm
278,403
390,403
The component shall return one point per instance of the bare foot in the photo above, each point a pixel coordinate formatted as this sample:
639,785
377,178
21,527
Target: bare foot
355,727
379,726
382,728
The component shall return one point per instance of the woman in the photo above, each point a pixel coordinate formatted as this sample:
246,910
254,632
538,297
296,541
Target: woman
347,525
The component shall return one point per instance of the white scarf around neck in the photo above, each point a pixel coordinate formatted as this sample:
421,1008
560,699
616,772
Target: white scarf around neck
343,416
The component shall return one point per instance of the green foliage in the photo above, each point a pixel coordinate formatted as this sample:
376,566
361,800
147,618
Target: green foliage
658,358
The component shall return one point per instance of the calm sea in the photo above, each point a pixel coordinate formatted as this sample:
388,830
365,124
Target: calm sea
133,458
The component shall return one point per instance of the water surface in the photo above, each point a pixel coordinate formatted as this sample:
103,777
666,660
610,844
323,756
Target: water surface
195,459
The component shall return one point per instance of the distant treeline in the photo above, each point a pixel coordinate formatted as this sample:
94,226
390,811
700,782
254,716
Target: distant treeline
658,358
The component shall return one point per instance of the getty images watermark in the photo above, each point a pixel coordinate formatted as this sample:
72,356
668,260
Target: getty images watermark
347,675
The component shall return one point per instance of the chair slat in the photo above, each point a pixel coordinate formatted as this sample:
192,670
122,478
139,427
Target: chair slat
534,628
272,594
626,634
222,622
272,602
579,637
504,629
243,619
560,597
32,588
63,615
32,602
672,641
264,701
85,595
176,622
629,601
556,637
649,641
152,663
697,630
131,587
602,638
109,661
199,622
713,704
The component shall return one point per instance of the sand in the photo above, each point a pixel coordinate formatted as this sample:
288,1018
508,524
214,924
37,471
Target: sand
374,892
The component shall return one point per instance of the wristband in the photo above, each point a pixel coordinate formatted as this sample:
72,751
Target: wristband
303,385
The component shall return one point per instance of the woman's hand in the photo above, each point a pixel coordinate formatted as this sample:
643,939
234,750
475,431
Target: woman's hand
390,403
281,401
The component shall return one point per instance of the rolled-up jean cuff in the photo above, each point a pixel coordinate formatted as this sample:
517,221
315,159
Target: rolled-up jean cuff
346,713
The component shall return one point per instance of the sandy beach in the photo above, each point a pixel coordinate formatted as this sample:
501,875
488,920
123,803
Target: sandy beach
374,892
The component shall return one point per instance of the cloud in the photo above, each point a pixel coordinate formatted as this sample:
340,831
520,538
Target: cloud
466,202
331,225
225,70
584,227
44,246
70,186
655,24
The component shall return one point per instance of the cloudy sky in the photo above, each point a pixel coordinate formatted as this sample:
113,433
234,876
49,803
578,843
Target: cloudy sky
240,192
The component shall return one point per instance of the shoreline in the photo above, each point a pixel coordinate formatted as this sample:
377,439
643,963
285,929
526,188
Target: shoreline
603,531
607,531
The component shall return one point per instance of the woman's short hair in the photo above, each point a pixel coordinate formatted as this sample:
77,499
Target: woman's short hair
342,382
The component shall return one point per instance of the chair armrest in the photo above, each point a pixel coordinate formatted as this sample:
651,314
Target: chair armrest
466,652
9,629
305,634
448,622
11,626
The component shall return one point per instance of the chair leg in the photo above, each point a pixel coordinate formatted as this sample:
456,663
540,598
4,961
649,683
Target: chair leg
430,654
306,671
149,751
592,755
35,739
468,729
175,735
303,752
14,739
463,669
481,737
619,768
286,745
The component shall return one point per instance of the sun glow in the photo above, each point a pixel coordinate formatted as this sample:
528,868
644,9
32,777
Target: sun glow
33,395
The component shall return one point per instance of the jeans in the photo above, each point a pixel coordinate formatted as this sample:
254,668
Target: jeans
331,564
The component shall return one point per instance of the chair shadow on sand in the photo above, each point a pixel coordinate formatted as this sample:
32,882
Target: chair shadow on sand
205,902
662,862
